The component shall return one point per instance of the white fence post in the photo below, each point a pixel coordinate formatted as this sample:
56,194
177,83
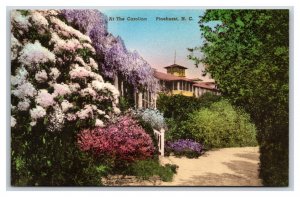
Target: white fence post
160,136
162,141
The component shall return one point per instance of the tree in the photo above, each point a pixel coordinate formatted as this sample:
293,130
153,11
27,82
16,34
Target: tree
247,53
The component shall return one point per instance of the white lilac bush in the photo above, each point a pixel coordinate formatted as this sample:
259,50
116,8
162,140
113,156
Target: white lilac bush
56,91
54,76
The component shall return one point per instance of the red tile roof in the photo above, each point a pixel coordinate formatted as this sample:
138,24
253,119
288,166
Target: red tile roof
205,85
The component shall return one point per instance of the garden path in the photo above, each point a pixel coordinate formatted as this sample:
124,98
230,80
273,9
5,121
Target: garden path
220,167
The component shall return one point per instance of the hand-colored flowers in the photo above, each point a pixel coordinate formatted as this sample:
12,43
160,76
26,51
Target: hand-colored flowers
122,141
53,77
185,147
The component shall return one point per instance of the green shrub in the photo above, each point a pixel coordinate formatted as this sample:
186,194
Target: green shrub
178,107
222,125
124,104
145,169
176,110
176,130
51,159
274,147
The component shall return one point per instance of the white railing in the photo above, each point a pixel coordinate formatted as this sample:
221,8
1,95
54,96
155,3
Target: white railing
160,136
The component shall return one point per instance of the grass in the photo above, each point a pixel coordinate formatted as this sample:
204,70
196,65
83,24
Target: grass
145,169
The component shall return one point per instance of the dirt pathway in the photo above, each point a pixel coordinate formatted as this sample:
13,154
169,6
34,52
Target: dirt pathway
222,167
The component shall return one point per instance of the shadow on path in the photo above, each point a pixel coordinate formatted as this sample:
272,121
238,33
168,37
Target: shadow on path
243,174
250,156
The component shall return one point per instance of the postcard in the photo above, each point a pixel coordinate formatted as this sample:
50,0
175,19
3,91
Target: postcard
149,97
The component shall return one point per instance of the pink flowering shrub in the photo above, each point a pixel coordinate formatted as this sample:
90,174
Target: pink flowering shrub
123,141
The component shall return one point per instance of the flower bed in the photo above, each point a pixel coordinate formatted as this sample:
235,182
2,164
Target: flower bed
184,147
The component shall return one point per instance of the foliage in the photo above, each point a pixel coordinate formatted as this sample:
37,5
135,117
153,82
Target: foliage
177,130
247,53
176,110
40,162
221,125
178,106
153,117
55,90
184,147
148,168
124,104
121,142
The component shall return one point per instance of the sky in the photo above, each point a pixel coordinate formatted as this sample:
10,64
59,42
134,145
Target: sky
156,41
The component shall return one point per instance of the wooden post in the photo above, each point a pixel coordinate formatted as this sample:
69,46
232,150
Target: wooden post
116,81
149,99
134,97
140,100
154,99
116,84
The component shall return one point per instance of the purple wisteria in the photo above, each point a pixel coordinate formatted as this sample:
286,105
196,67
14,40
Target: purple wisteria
87,20
113,57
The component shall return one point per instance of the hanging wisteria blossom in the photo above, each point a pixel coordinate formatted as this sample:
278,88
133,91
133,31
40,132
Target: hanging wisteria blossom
116,59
